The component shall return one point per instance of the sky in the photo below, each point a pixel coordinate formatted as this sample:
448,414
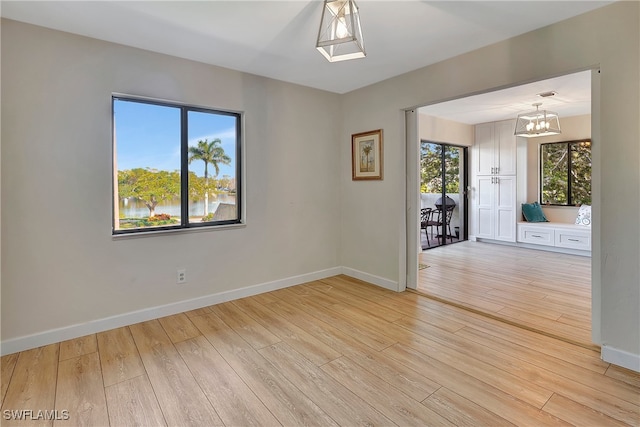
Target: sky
148,136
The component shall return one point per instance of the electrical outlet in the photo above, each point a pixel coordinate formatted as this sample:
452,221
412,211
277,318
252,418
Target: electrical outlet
181,276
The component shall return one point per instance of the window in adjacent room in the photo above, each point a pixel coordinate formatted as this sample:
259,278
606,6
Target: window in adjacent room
565,173
175,166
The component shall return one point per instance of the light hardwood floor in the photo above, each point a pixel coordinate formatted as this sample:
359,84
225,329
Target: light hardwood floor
332,352
545,291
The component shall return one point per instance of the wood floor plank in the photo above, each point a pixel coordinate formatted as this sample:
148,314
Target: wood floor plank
78,347
474,364
33,383
504,352
118,356
133,403
306,293
437,318
577,414
7,365
232,399
405,379
363,333
252,332
80,391
300,340
372,308
198,312
538,322
345,407
394,404
525,374
483,394
265,298
528,287
179,327
585,357
578,321
350,289
181,399
284,400
461,411
339,351
624,375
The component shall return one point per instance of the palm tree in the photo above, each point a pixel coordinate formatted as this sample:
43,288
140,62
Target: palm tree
366,150
210,153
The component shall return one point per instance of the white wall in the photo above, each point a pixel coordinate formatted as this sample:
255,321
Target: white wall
435,129
608,38
60,264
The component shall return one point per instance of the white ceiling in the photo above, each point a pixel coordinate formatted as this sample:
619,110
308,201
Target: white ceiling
572,98
277,38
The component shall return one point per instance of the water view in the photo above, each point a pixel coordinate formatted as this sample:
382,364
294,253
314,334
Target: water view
133,208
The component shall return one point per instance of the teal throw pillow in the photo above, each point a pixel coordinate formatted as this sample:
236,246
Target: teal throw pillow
533,212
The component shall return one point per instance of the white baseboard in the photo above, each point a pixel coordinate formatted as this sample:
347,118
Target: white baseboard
376,280
620,358
74,331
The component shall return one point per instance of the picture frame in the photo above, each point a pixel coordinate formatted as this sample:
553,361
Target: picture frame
367,155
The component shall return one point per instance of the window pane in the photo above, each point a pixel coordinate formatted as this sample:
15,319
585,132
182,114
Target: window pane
431,167
212,141
555,164
146,141
581,173
452,169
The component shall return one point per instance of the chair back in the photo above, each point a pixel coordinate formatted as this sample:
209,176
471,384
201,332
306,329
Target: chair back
425,214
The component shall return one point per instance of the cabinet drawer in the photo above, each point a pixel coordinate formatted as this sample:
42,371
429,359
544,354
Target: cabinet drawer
573,239
539,236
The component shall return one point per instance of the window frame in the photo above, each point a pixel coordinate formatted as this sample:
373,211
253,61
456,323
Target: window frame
184,224
570,202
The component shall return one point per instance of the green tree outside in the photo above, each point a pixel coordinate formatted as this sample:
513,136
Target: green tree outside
431,168
149,186
564,163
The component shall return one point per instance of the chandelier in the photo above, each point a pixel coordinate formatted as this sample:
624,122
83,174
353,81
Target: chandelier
537,123
340,34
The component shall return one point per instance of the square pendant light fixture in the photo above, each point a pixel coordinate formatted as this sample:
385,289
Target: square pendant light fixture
537,123
340,34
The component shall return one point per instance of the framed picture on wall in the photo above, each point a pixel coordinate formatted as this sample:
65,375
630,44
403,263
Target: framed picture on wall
366,155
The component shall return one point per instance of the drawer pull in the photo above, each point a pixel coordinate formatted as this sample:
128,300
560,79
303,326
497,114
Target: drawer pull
573,240
536,235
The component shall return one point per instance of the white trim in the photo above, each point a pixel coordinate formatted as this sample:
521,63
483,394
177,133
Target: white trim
376,280
620,358
27,342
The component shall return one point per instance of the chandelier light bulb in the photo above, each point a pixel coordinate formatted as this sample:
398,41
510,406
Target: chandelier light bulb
341,28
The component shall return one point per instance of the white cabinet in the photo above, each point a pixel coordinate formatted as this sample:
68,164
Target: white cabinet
494,210
554,234
495,148
573,239
493,207
536,235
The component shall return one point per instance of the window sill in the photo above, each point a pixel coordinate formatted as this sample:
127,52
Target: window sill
142,234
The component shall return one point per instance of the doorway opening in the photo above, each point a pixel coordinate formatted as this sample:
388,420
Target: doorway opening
570,298
443,204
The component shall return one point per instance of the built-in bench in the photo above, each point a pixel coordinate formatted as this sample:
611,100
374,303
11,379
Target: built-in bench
556,236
